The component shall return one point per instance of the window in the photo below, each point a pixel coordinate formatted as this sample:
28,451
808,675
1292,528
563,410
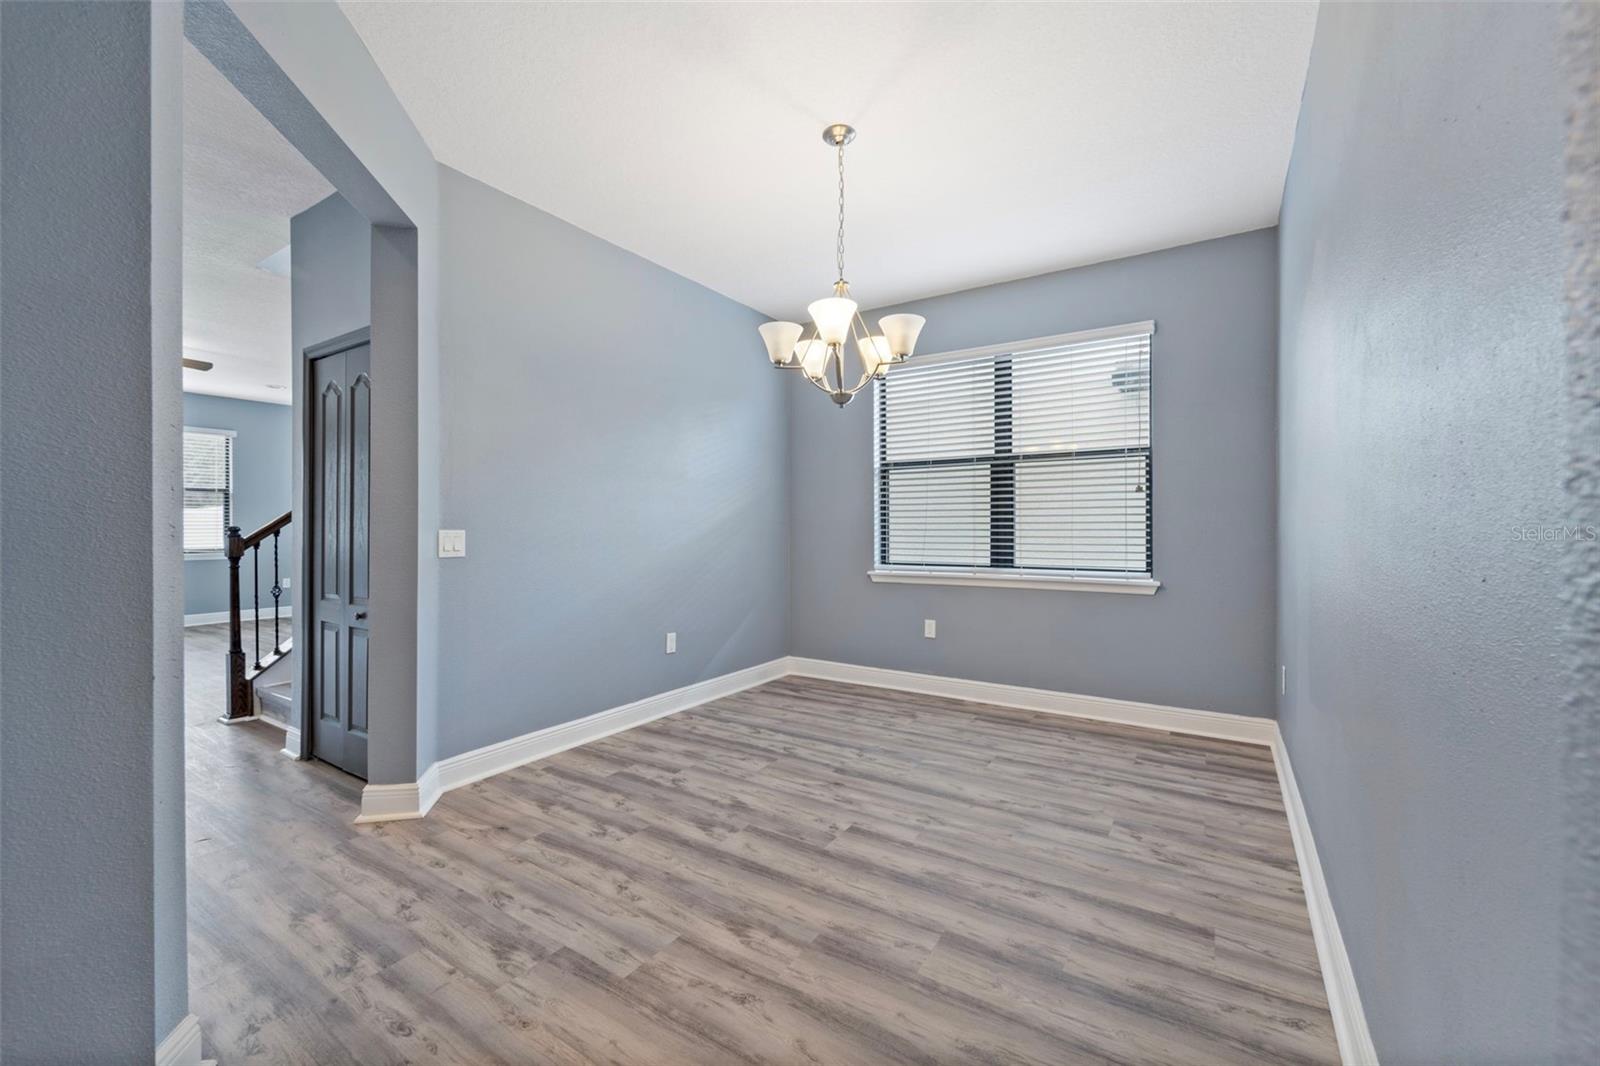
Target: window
1024,464
207,490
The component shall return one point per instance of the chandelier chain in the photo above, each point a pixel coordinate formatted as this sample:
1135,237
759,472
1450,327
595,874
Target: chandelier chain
839,246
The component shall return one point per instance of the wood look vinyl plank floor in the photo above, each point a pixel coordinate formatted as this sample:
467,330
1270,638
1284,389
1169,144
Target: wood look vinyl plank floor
807,872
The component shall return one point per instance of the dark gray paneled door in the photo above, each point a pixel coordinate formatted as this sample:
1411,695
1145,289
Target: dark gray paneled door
340,462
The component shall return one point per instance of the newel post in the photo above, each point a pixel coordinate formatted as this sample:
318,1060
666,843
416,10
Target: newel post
238,684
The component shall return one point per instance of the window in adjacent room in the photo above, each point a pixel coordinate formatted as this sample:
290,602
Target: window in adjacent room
207,490
1019,464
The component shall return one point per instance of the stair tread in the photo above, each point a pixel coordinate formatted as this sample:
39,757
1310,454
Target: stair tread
269,660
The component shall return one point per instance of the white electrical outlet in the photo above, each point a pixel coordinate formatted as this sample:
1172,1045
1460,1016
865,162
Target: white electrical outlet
672,643
284,583
1283,680
930,628
452,543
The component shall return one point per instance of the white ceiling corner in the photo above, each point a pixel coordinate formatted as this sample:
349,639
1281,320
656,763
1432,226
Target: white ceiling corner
242,181
996,140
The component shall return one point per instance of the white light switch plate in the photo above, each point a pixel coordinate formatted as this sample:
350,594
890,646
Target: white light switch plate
672,643
452,543
930,628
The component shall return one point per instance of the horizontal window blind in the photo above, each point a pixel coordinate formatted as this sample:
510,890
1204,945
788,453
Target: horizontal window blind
1033,460
207,490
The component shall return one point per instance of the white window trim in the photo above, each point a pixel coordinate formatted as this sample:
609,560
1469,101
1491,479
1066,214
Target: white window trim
232,434
1057,340
1017,579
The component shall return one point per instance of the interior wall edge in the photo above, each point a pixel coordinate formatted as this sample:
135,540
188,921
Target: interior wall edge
1580,928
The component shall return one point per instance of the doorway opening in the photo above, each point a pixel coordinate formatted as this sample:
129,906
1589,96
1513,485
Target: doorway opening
242,184
345,255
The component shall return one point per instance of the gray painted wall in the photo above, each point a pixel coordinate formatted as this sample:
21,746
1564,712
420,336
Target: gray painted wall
91,848
393,650
1421,413
1205,640
614,447
262,476
330,272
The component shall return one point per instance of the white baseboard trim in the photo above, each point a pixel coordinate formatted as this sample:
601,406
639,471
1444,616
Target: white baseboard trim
391,803
385,803
485,762
181,1046
1241,727
225,720
211,618
1344,1001
291,741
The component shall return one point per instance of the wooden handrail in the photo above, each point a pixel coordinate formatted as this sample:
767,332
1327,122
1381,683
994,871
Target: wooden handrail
238,546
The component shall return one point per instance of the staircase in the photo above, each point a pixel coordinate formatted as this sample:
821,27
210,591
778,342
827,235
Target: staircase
270,688
248,679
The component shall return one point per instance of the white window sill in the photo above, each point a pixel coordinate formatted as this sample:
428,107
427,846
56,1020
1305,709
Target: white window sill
1142,586
192,557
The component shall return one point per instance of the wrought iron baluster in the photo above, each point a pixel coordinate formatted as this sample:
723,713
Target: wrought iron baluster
255,597
277,591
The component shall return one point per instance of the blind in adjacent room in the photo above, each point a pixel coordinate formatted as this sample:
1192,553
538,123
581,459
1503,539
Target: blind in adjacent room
207,489
1032,460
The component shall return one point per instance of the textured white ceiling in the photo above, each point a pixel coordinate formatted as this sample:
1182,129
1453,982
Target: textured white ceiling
241,183
996,140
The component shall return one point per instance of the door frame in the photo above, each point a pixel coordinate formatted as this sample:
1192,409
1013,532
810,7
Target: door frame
302,565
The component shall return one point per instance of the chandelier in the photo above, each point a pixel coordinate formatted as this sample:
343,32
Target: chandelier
817,349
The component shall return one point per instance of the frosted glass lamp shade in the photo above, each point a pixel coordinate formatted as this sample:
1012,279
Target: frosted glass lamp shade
832,317
780,338
813,356
901,332
874,353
